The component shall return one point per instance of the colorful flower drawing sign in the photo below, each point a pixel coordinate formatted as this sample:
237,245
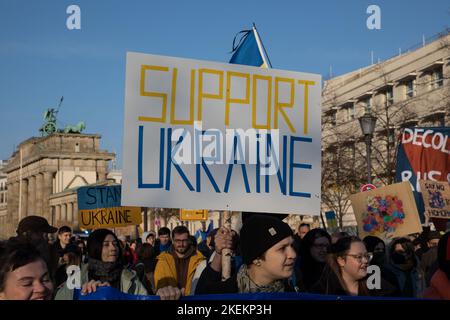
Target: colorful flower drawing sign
386,212
384,215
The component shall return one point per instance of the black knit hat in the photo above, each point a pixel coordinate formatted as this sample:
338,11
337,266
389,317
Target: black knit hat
259,233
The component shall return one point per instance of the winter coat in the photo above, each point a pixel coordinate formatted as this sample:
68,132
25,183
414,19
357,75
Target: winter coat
417,279
129,283
439,287
210,282
166,271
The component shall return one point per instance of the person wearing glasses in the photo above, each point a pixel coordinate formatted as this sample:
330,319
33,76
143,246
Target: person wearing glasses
346,269
175,268
311,261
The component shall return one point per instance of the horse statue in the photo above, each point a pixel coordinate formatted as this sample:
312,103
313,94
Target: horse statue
49,126
80,126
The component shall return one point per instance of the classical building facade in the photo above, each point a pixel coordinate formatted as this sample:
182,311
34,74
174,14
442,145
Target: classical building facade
3,188
44,173
411,89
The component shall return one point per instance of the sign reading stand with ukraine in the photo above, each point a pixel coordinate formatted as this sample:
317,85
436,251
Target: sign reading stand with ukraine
99,207
208,135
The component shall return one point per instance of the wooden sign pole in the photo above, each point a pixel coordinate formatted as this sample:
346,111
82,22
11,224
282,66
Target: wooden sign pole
226,253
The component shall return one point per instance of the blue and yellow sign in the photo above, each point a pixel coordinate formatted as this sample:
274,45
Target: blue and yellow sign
99,207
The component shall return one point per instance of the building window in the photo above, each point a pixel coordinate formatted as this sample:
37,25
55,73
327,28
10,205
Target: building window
77,147
389,96
410,88
437,78
350,112
368,104
333,118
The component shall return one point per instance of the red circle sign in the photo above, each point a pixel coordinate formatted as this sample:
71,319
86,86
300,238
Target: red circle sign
367,187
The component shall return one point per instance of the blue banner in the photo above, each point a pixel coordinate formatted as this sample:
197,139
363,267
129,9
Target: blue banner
109,293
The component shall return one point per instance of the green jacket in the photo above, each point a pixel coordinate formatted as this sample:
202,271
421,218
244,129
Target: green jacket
129,283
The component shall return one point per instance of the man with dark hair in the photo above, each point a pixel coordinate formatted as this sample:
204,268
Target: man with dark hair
163,243
176,267
57,249
35,230
302,230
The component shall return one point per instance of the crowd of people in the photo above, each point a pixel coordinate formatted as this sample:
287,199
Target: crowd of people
266,257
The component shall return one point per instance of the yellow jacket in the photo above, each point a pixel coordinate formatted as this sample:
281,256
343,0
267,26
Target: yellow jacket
166,272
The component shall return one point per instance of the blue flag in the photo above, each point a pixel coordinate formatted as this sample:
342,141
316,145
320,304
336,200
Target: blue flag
250,51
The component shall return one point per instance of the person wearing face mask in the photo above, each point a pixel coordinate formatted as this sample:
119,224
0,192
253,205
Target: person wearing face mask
104,268
377,248
23,273
403,270
346,269
268,259
429,260
311,262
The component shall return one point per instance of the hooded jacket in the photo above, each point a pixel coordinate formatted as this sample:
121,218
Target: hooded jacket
166,271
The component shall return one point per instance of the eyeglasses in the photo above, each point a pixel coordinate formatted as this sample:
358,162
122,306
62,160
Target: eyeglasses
181,240
360,257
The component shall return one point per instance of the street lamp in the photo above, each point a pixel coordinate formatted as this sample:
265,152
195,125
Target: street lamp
367,123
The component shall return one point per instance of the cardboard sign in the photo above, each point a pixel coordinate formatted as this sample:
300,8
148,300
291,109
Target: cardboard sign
436,197
99,207
221,136
386,212
193,215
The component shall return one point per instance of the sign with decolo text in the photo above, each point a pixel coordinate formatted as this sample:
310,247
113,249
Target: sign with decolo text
207,135
436,197
423,154
99,207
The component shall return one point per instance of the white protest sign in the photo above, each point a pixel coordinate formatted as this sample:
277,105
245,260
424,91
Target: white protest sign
208,135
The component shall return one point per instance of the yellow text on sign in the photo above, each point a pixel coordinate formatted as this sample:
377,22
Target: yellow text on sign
225,79
109,217
193,215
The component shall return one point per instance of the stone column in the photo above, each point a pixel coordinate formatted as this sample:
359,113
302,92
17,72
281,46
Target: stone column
58,213
46,192
64,212
70,212
75,214
101,170
39,189
31,195
11,226
145,220
24,204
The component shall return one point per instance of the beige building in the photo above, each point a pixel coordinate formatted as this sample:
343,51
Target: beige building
411,89
3,188
44,173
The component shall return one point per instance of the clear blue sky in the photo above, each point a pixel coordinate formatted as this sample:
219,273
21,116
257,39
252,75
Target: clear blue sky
41,60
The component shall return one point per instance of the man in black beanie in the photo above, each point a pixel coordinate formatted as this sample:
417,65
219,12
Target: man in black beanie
268,256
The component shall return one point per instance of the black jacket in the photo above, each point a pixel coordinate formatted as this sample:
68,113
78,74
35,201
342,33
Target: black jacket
210,282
